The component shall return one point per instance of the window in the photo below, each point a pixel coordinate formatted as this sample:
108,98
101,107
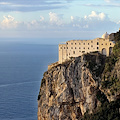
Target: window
79,51
71,47
73,52
75,47
75,43
83,51
91,45
97,47
71,43
67,43
61,48
64,47
84,48
67,47
88,47
84,43
106,43
97,43
88,43
79,47
91,41
101,44
110,43
79,43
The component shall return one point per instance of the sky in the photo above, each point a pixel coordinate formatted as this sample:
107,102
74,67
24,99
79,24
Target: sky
58,19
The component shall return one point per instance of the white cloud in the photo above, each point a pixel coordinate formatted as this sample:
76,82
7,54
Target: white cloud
72,18
118,22
111,1
107,1
5,3
42,18
55,18
95,21
8,22
94,15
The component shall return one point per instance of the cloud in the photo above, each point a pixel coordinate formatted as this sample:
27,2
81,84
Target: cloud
72,18
95,21
5,3
55,18
42,18
9,22
99,5
57,27
30,5
94,15
107,1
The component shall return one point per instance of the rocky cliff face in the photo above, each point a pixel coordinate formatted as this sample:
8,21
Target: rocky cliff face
69,90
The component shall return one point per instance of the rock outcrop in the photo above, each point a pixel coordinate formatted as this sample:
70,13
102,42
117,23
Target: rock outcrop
69,90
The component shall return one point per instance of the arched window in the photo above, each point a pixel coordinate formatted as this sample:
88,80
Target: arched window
110,50
104,51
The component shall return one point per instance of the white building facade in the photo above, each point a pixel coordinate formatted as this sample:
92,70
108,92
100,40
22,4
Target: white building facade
75,48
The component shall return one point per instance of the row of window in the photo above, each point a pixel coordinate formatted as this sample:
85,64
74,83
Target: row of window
83,48
84,43
74,52
79,47
106,44
87,43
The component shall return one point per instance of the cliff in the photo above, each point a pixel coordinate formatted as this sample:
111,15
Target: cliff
70,89
83,88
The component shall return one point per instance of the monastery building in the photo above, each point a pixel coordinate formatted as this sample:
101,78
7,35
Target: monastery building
75,48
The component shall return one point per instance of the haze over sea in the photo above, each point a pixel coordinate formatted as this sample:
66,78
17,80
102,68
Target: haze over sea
21,69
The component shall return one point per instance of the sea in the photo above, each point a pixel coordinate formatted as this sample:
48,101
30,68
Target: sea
21,69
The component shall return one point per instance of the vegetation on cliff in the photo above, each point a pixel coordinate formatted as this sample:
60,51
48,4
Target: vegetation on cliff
107,111
110,85
110,75
97,66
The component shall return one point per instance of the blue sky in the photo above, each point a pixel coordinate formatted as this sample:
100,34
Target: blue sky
69,19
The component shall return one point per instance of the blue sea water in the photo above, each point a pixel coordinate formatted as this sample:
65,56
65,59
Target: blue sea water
21,70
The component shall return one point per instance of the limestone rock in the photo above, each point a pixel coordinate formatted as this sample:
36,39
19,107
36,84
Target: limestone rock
69,90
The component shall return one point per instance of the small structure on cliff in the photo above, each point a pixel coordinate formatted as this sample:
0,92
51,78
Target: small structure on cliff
75,48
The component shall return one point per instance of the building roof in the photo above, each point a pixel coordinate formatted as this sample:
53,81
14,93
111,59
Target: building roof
105,35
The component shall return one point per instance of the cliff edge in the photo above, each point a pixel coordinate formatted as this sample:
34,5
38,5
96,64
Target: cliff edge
70,89
83,88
